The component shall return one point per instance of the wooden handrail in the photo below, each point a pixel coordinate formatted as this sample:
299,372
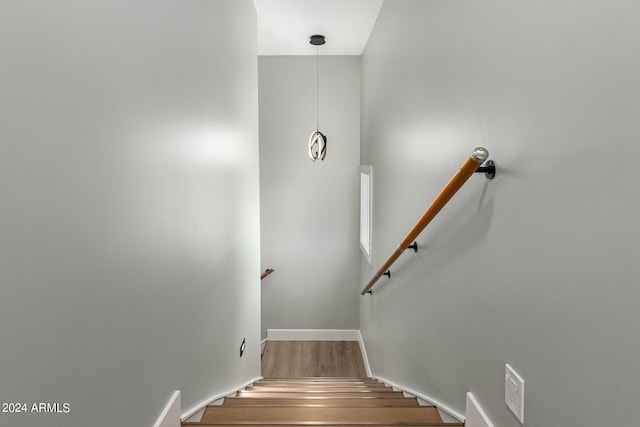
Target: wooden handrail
469,167
267,272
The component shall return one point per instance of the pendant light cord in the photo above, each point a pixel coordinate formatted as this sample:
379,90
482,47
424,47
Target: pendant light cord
317,88
317,140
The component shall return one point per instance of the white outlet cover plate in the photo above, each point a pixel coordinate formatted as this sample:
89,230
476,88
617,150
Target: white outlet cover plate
514,392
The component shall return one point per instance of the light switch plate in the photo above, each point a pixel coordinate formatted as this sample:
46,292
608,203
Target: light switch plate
514,392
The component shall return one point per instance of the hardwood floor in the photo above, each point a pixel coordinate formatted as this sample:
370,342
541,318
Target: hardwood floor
286,359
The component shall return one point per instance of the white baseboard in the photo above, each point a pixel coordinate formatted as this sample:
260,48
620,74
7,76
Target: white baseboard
476,417
428,399
363,350
313,335
170,416
188,414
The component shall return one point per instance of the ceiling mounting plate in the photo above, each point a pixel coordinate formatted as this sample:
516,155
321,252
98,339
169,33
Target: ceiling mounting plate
317,40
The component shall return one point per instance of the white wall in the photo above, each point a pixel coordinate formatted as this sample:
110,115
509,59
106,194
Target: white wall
309,211
538,268
129,226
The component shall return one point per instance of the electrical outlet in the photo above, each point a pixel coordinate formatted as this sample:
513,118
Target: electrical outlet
514,392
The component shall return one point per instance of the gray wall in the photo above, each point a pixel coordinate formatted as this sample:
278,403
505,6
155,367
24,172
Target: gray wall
130,196
538,268
309,211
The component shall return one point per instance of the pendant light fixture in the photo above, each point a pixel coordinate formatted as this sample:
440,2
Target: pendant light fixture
317,140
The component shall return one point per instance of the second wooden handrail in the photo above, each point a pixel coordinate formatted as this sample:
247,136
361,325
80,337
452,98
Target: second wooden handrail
469,167
267,272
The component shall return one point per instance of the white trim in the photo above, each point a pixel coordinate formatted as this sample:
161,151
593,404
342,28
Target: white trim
476,417
313,335
434,402
170,416
366,214
188,414
363,350
263,344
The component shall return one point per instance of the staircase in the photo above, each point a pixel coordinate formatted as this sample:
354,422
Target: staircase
315,401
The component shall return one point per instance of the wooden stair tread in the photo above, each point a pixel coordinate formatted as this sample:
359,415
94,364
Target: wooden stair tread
320,389
293,415
320,385
322,379
443,424
324,393
310,402
320,401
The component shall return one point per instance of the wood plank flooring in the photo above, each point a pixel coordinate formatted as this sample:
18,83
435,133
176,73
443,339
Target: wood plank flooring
286,359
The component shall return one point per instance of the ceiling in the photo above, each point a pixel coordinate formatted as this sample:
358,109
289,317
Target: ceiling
284,26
